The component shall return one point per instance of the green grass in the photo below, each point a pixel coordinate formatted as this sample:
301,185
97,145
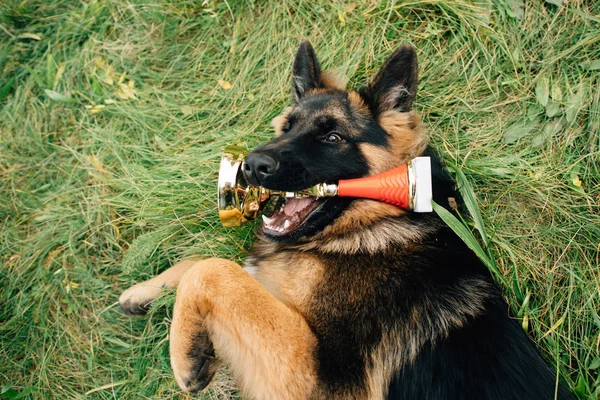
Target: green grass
93,200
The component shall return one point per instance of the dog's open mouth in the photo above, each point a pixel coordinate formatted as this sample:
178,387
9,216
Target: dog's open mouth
284,216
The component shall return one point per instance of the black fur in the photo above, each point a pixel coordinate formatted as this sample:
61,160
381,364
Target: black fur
306,71
490,357
395,86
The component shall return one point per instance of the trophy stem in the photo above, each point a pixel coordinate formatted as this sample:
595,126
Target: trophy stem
320,190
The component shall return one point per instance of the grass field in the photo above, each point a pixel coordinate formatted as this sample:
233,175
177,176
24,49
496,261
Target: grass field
113,115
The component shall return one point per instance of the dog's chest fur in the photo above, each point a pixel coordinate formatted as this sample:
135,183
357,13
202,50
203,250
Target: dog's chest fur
289,275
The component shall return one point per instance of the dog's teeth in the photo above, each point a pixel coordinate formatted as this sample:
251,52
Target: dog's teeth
268,221
286,224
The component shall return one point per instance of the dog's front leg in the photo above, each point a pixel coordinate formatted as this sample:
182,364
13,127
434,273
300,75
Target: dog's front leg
268,346
137,299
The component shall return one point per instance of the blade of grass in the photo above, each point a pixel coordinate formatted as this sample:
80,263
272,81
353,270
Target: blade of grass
463,232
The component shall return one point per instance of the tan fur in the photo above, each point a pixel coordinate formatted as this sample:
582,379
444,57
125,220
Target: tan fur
333,81
361,228
291,277
268,346
358,103
140,295
407,136
385,359
312,92
379,158
407,141
279,121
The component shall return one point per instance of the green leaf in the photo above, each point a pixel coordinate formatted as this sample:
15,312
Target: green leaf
533,111
580,387
574,181
555,2
542,91
57,96
553,109
468,195
518,130
591,65
50,70
574,104
35,76
550,130
466,236
5,89
595,364
556,93
187,110
8,393
25,392
517,8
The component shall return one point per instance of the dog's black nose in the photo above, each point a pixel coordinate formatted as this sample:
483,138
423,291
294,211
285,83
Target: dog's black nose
258,167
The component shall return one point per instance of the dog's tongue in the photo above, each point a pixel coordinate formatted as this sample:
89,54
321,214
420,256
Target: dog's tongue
295,205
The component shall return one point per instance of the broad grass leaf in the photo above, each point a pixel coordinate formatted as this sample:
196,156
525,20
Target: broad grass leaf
8,393
595,364
516,8
553,109
550,130
57,96
187,110
533,111
468,195
466,236
542,91
556,93
5,89
580,387
518,130
592,65
555,2
574,104
553,127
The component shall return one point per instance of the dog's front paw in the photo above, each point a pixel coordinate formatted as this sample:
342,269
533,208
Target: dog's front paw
193,361
136,300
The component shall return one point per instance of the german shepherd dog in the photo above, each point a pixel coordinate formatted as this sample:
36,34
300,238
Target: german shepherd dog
348,298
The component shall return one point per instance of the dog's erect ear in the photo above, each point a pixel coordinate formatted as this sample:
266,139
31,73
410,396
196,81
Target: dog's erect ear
306,73
395,85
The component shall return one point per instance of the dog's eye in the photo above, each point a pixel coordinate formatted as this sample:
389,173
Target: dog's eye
286,127
332,138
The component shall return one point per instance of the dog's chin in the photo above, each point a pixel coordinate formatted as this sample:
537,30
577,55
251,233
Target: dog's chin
291,220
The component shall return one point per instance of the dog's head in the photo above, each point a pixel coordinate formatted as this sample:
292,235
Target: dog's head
330,134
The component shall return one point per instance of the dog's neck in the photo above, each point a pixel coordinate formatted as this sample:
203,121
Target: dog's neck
367,226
